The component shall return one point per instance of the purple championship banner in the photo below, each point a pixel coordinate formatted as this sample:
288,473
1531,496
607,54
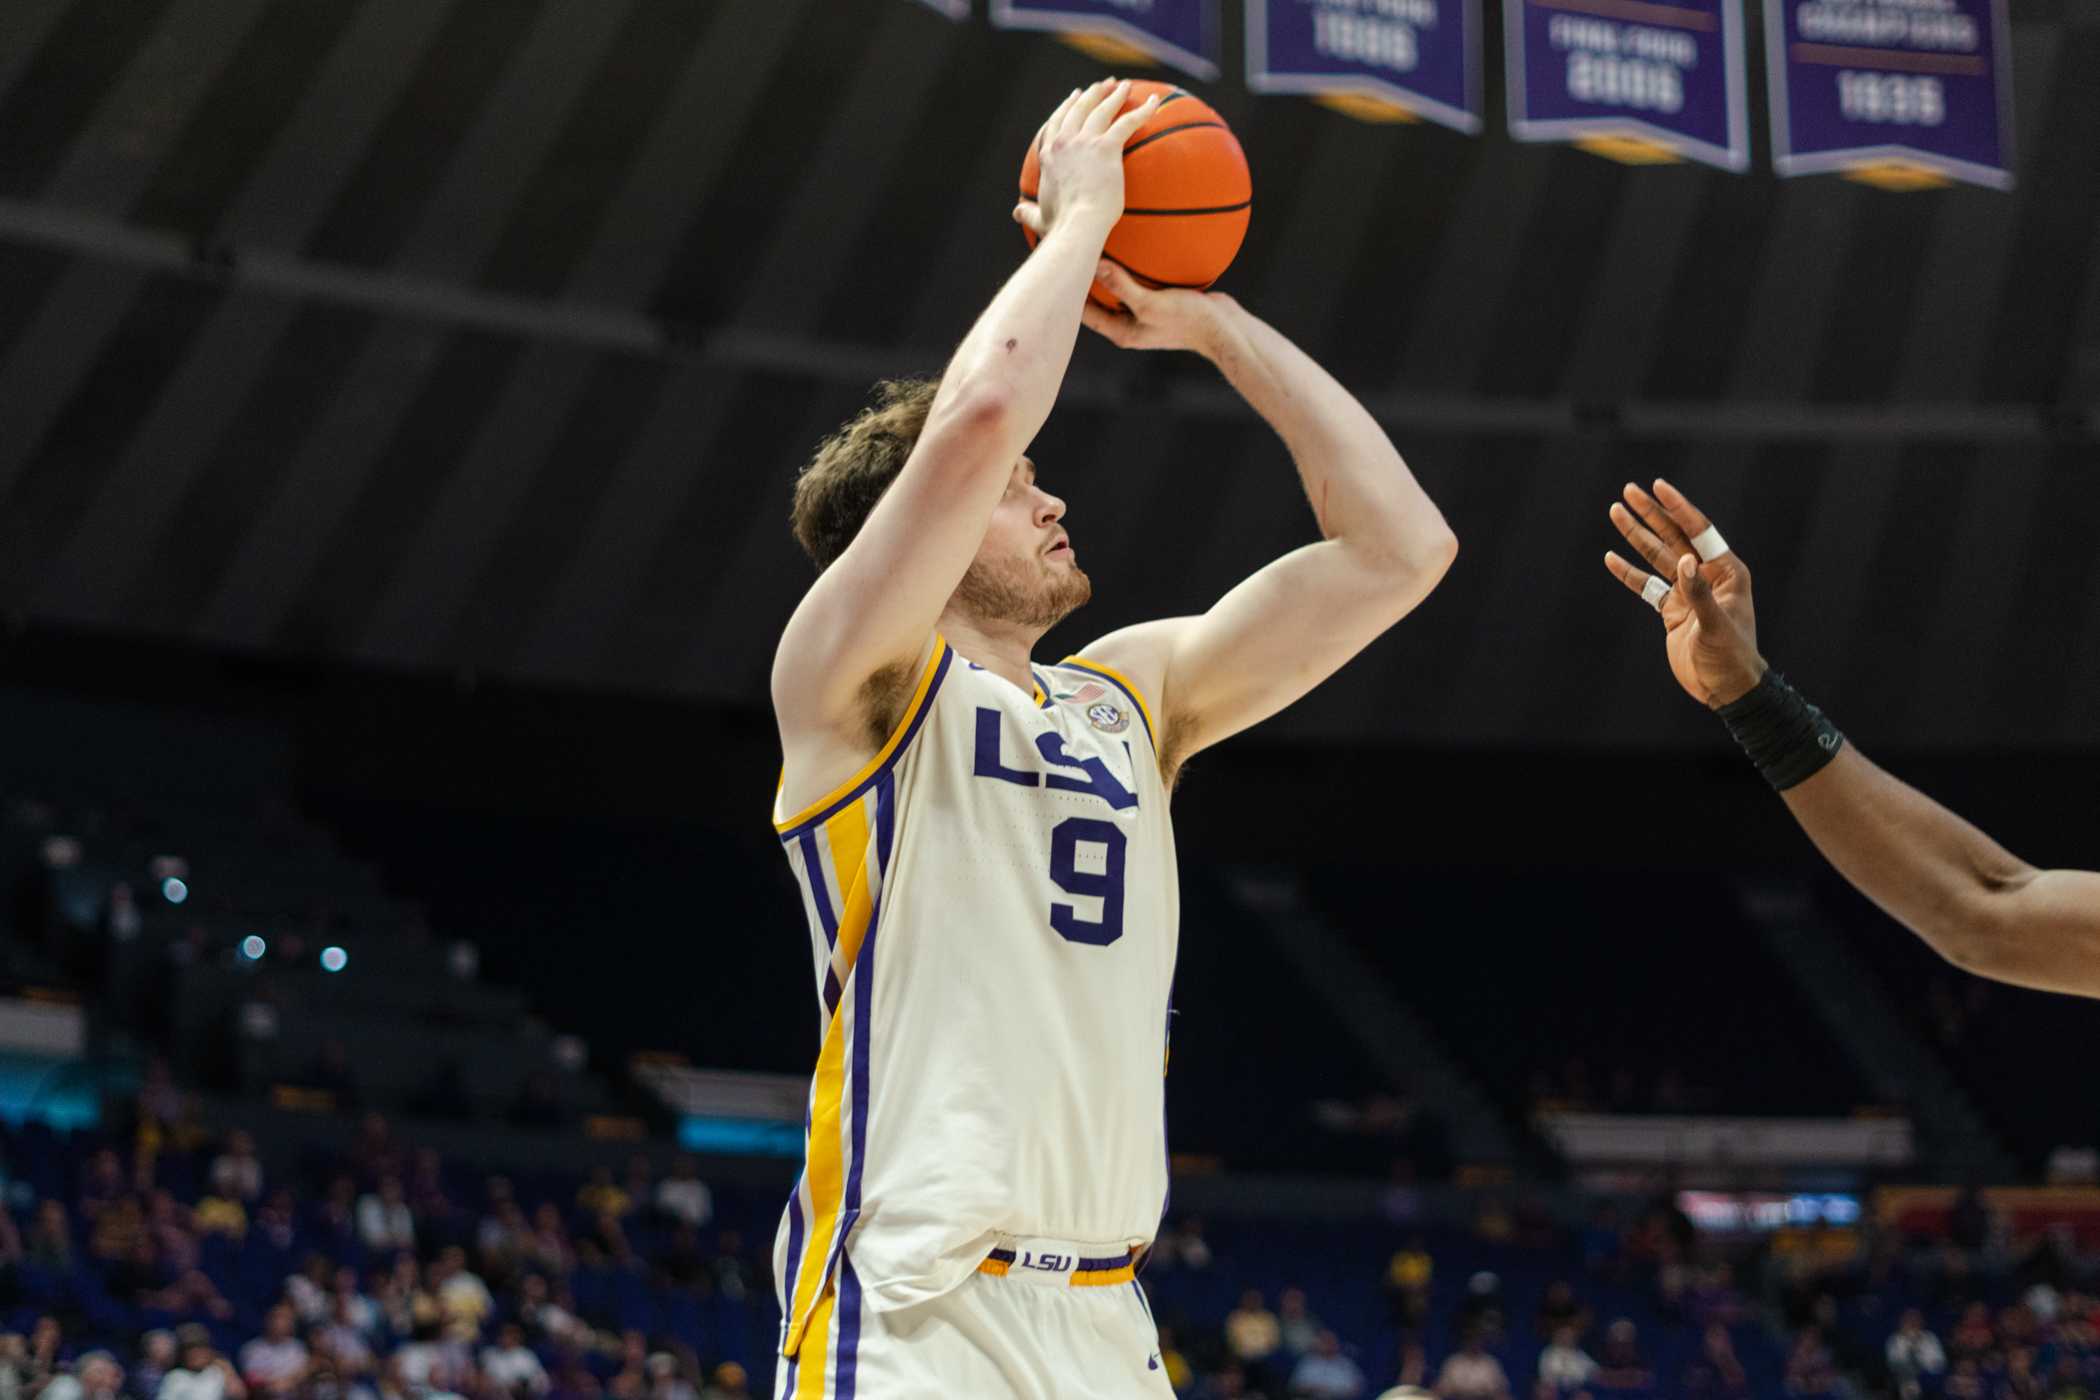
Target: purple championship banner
1421,57
1898,92
1637,80
1180,33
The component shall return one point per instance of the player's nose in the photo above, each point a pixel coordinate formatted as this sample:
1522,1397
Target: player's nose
1049,509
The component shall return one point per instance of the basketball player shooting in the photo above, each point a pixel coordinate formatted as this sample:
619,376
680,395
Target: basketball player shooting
982,840
1978,906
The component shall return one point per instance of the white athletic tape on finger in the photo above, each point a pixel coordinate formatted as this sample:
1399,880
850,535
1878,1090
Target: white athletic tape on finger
1709,545
1654,591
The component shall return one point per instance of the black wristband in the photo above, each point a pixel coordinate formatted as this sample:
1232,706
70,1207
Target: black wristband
1786,737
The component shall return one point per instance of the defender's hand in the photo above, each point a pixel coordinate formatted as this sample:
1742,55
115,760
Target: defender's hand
1081,151
1164,318
1709,623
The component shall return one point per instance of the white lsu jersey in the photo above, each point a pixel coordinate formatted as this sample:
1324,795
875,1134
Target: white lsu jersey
993,907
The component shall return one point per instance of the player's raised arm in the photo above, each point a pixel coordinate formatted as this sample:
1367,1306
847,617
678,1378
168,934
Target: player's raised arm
1295,622
1979,906
875,606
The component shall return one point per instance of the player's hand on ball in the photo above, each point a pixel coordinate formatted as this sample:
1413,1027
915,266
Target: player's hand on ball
1709,623
1163,318
1081,149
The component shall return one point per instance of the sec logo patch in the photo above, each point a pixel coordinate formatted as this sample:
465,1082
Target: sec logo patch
1108,718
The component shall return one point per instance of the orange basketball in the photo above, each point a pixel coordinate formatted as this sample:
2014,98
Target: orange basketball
1186,195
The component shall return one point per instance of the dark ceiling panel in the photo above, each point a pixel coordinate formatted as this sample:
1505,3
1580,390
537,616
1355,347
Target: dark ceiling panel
622,498
91,432
85,582
49,359
113,159
816,243
58,91
1711,294
450,539
601,139
365,545
1790,305
1648,241
703,126
234,126
507,140
2053,243
199,540
1561,248
411,153
321,146
1475,258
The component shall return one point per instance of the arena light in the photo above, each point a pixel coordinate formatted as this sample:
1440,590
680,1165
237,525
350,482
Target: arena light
174,890
253,947
334,959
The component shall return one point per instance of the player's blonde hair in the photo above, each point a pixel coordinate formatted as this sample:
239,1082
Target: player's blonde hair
855,465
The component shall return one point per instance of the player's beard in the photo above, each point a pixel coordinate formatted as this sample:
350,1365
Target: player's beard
1023,592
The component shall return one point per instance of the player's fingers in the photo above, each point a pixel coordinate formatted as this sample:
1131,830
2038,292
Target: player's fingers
1128,125
1077,111
1688,517
1107,109
1122,286
1029,215
1696,590
1658,520
1644,585
1110,325
1056,117
1662,559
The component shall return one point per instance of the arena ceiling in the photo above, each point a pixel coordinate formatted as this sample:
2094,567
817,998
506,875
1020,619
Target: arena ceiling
485,335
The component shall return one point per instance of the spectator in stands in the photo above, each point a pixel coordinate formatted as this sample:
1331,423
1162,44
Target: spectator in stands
1914,1354
95,1376
1407,1278
203,1374
352,1307
1252,1333
1974,1334
429,1361
1621,1366
550,1314
1809,1369
1563,1364
2021,1380
174,1238
1716,1374
631,1381
308,1291
1296,1324
377,1155
50,1243
734,1278
157,1357
683,1196
403,1302
47,1346
349,1355
600,1196
1180,1246
550,1248
464,1301
437,1219
727,1383
236,1173
275,1362
384,1222
102,1185
1561,1308
667,1379
513,1368
501,1242
1325,1373
1966,1381
1482,1310
1471,1373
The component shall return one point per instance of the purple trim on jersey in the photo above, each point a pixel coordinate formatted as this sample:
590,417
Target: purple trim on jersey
813,871
1128,694
844,1372
860,789
794,1258
864,995
1037,677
